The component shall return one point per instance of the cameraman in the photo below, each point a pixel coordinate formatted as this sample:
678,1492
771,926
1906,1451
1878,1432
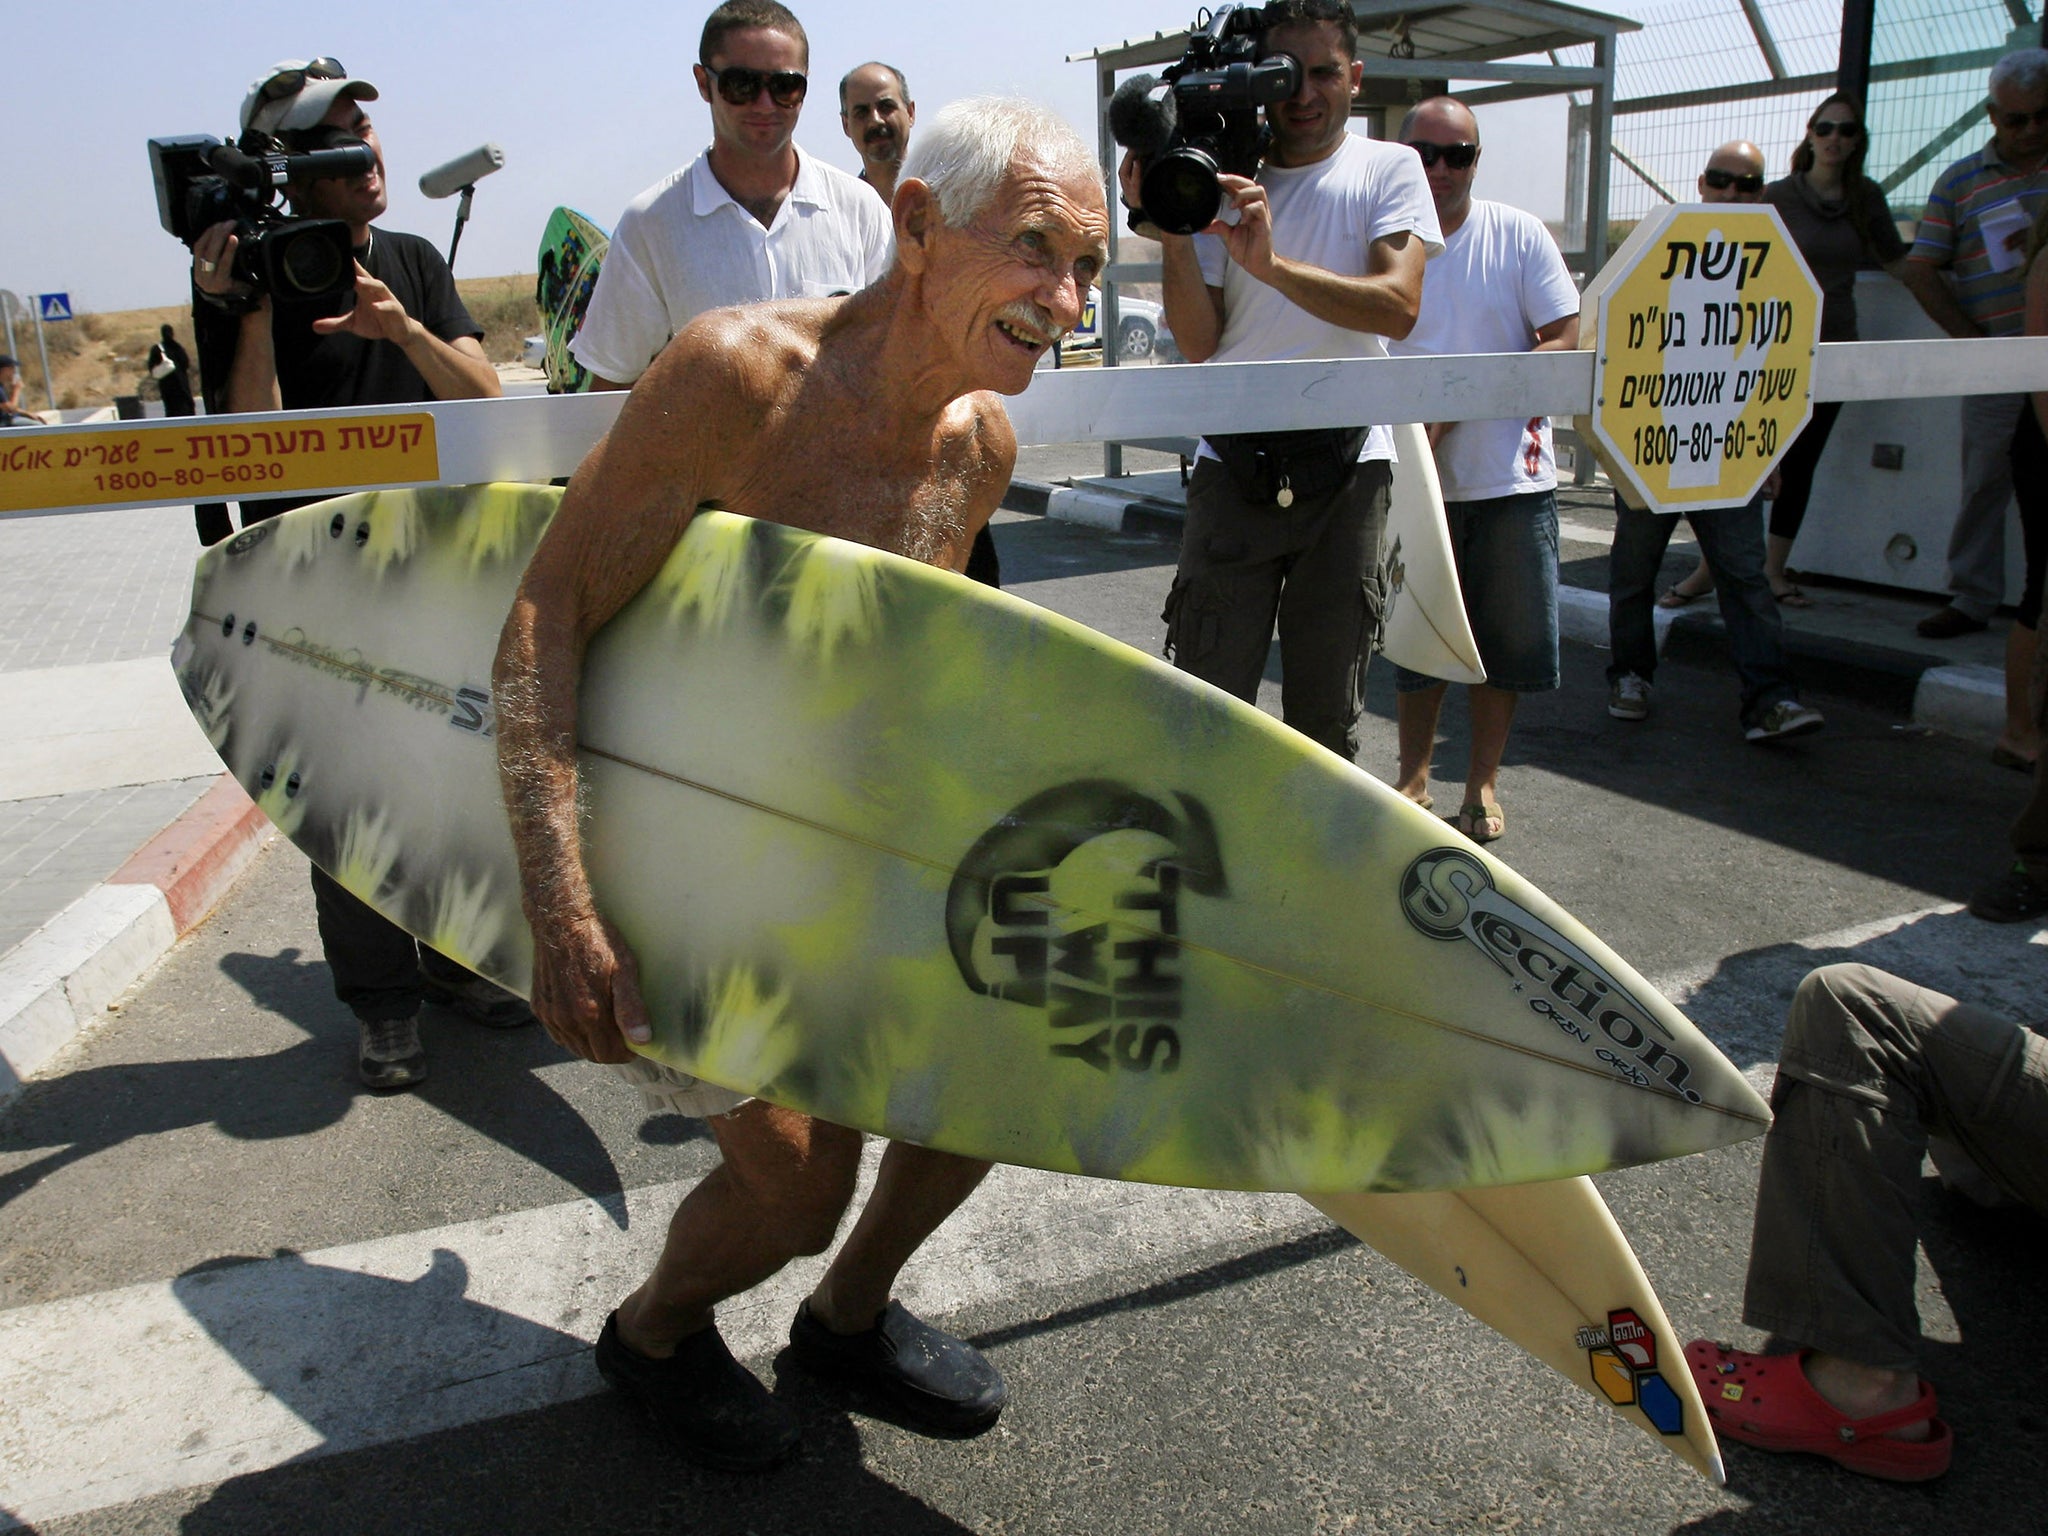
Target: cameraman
406,339
1324,257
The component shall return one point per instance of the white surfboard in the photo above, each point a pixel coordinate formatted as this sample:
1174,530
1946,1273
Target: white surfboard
1425,629
1546,1266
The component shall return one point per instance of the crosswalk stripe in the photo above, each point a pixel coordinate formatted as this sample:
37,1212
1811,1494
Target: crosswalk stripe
235,1368
231,1370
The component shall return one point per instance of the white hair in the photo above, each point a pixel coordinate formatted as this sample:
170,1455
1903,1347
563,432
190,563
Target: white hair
969,147
2024,69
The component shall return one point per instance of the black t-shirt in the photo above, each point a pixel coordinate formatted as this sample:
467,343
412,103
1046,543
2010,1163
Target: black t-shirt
316,372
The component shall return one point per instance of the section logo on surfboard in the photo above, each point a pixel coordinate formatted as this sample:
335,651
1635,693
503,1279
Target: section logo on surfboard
1448,894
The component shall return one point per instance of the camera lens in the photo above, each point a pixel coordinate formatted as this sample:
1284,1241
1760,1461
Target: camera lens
1180,191
310,264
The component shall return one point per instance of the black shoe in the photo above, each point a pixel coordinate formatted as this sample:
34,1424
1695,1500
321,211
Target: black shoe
2014,897
479,1001
389,1054
933,1379
1947,623
705,1403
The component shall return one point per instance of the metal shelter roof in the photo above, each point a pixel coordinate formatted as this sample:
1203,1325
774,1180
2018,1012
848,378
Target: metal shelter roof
1398,31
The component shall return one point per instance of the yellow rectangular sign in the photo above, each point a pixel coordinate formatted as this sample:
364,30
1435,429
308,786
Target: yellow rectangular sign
212,459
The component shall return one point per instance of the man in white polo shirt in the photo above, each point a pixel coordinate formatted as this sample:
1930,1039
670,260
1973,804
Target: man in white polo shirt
751,218
1499,286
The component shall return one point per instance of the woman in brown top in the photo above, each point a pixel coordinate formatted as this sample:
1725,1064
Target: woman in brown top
1839,221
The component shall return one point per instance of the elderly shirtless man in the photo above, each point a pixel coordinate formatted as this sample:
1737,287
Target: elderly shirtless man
874,418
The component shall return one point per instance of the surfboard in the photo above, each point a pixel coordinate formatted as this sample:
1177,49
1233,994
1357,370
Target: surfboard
1425,628
927,860
572,248
1546,1266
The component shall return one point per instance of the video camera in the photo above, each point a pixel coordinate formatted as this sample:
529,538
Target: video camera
201,182
1201,116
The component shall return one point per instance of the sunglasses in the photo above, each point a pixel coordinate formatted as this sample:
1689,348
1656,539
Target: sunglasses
1458,157
292,81
2018,120
1828,128
1721,181
740,86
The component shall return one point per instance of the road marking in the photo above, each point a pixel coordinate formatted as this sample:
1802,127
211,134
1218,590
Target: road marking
232,1370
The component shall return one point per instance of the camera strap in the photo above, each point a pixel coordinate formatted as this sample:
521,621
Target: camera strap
1282,468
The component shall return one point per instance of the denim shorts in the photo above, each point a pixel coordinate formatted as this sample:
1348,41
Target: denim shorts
1506,553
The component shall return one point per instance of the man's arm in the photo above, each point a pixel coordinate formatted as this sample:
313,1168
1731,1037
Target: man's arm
454,370
1385,301
626,506
1923,280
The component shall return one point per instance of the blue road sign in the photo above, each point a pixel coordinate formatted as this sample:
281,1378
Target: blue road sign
54,306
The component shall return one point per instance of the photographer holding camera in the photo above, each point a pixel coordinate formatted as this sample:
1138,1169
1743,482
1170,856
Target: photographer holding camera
406,339
1323,258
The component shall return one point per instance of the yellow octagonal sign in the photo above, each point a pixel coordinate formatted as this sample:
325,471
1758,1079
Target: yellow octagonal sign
1704,326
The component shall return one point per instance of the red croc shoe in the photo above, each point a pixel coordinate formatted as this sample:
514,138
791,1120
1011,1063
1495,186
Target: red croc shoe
1766,1401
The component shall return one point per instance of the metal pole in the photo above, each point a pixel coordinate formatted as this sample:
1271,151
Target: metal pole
1852,68
461,218
7,307
49,388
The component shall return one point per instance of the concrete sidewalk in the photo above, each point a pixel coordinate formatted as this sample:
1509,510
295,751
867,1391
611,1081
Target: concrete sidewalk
118,831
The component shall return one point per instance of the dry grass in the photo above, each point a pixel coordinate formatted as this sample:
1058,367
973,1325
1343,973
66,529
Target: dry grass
98,356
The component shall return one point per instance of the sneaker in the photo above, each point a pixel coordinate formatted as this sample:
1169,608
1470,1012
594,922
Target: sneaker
2014,897
1787,717
479,1001
1629,698
389,1054
702,1401
1946,624
936,1381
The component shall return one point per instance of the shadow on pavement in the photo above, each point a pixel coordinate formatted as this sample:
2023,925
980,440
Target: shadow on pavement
376,1365
1742,1003
483,1078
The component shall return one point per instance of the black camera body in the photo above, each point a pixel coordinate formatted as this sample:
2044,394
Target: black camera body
201,182
1201,117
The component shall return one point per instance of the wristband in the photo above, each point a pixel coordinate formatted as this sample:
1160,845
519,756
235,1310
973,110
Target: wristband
231,303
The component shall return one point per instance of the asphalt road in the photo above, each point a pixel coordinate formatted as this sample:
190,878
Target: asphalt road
239,1294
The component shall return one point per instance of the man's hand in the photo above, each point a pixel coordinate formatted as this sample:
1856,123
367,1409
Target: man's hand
1250,240
1129,177
213,260
586,990
378,316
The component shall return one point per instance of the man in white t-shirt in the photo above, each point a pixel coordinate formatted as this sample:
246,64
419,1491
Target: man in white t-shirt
751,218
1325,258
1500,286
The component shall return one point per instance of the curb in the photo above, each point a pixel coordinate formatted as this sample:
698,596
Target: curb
63,976
1962,701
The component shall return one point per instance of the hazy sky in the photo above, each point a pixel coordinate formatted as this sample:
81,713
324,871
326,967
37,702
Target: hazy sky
591,102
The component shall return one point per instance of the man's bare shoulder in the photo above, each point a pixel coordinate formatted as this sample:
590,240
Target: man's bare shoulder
749,351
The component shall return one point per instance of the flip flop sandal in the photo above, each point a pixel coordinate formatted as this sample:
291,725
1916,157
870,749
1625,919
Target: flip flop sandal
1472,817
1671,597
2004,757
1766,1401
1426,803
1793,597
